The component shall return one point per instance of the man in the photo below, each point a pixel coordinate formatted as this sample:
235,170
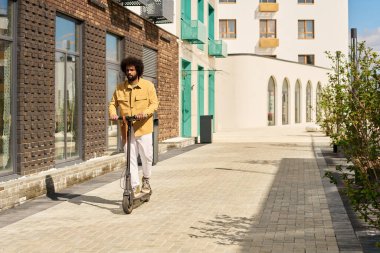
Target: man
136,97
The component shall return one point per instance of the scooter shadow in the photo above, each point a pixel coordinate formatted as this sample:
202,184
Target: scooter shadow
95,201
81,199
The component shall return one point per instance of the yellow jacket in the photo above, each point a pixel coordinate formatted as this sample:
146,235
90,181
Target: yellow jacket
131,101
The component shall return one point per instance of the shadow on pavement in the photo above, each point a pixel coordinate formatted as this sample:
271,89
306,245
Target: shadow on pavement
81,199
226,230
294,217
248,171
75,193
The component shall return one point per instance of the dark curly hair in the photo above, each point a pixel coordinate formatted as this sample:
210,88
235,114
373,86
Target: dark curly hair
133,61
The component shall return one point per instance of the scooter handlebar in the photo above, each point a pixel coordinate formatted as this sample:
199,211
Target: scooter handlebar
128,118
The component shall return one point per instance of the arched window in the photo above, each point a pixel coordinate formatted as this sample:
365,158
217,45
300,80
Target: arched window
271,102
308,102
285,102
317,101
297,102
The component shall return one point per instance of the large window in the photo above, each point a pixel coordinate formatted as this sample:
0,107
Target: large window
114,76
227,1
308,102
267,1
285,102
318,102
67,89
306,59
6,85
305,1
297,102
267,28
271,102
227,28
306,29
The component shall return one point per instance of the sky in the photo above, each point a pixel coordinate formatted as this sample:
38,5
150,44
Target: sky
365,16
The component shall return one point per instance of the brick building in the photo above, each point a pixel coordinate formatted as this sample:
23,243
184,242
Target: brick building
60,63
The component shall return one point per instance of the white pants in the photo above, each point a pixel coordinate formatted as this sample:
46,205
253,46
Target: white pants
140,145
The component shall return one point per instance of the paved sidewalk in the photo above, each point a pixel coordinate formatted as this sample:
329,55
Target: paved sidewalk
257,190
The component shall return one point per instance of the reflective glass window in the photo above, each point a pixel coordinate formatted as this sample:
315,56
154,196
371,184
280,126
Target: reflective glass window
67,88
6,86
6,17
271,102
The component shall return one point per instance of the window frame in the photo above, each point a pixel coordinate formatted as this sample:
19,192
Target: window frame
12,39
305,59
305,2
79,78
227,1
268,1
309,102
222,34
305,22
266,28
115,66
271,102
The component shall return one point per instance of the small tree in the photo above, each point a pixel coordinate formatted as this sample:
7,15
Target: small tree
351,117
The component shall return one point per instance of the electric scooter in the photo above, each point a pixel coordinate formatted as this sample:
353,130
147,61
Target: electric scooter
130,200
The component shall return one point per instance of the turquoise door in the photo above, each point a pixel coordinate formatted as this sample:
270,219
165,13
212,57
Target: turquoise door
186,98
201,94
186,10
211,22
211,96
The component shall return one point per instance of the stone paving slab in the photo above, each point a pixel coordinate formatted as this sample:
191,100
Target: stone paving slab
246,192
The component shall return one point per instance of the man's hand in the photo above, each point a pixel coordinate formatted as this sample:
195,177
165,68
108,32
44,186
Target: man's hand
141,116
114,117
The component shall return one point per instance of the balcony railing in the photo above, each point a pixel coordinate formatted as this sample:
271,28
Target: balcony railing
269,42
217,48
268,7
193,31
133,2
158,11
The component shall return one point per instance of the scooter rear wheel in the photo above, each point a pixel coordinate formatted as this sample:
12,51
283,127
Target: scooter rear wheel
127,204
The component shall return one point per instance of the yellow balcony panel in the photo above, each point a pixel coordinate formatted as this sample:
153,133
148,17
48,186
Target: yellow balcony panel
268,7
269,42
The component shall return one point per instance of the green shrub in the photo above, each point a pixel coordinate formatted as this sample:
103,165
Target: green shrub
350,115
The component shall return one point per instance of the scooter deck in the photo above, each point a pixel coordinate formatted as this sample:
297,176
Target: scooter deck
140,198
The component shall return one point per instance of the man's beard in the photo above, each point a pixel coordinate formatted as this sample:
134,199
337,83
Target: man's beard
131,78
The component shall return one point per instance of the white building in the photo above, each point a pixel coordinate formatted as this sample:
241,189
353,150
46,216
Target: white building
277,61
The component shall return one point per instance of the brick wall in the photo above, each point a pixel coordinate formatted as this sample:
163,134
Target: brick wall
35,91
16,192
94,91
36,75
168,94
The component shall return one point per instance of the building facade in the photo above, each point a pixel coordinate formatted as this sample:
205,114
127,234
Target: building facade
277,62
60,66
195,24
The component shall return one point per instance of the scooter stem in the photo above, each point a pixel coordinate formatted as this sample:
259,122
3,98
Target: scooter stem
128,172
128,186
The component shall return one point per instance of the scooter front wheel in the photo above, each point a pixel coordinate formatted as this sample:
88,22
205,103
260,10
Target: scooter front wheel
127,204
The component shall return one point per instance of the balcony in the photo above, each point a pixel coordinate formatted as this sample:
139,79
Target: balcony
268,7
193,31
217,48
133,2
158,11
269,42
